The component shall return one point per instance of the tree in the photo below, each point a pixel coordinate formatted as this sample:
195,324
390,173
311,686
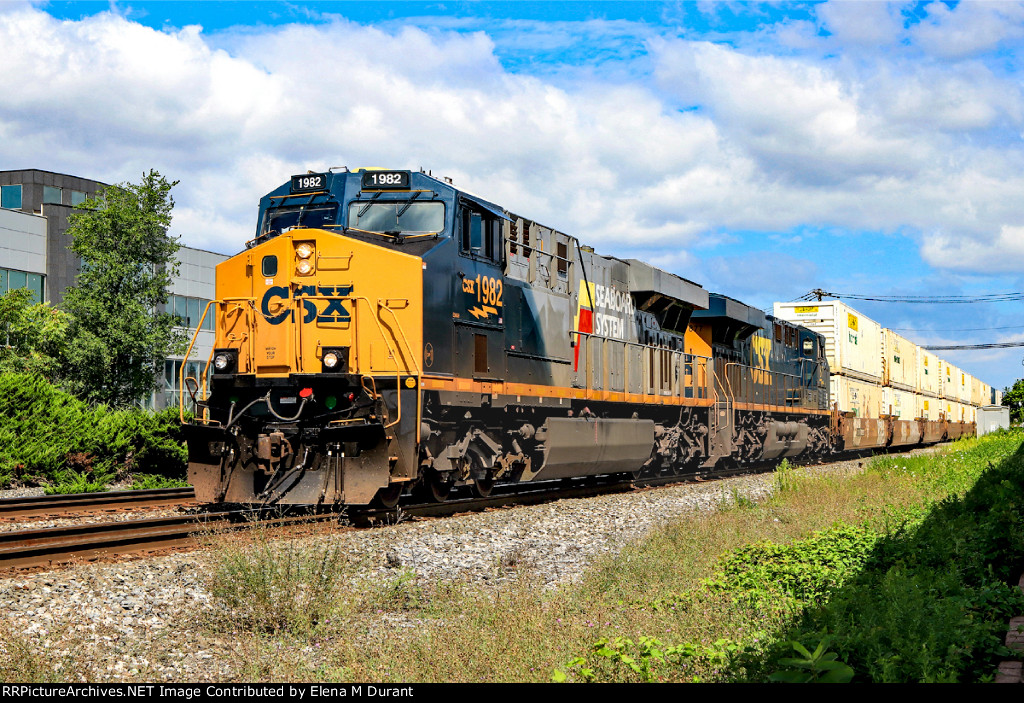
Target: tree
1013,398
33,336
119,333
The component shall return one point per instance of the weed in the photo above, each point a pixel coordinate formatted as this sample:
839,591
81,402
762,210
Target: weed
268,585
148,482
402,592
819,666
784,477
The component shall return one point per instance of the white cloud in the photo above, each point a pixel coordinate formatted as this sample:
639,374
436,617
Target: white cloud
968,28
867,23
721,139
1004,252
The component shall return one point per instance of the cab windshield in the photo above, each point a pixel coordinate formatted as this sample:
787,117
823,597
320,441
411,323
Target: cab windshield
391,216
278,220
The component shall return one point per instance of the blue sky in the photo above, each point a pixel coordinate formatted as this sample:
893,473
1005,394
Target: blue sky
761,150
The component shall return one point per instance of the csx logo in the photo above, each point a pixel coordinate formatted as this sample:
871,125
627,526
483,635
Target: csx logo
333,310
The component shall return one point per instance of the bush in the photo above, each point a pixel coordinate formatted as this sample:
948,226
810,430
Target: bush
931,600
49,436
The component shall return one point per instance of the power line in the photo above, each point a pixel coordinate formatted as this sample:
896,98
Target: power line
998,345
819,294
963,329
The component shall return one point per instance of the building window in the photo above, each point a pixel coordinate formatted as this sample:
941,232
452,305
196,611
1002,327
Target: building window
77,198
51,195
10,280
172,379
10,197
189,310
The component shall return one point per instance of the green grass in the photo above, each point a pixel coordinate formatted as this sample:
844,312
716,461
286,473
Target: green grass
148,482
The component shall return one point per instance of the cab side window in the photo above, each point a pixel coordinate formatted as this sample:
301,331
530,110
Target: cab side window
480,235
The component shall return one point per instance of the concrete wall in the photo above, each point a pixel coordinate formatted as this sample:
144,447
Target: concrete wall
992,418
23,242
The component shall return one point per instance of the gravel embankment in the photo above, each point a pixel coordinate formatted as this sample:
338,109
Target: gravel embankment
126,612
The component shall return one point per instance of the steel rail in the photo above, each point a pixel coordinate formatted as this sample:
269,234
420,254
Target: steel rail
57,545
60,545
32,506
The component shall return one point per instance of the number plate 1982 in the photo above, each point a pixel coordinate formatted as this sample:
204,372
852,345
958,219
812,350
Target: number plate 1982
376,180
309,182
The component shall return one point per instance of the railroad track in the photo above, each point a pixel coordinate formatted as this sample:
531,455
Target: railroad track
515,495
47,547
76,503
53,546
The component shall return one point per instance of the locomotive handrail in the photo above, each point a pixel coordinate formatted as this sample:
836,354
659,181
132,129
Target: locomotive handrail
772,387
699,360
382,305
206,369
181,373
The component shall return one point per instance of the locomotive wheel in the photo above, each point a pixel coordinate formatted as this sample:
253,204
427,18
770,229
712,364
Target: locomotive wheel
388,496
483,487
437,489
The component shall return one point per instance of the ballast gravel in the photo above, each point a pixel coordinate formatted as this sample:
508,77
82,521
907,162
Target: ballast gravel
135,620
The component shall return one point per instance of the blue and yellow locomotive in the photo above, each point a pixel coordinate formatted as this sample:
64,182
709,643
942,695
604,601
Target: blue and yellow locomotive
387,333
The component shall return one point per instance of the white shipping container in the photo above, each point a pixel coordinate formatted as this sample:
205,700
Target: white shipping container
861,398
929,408
853,343
899,403
964,395
979,396
928,372
953,410
950,378
900,360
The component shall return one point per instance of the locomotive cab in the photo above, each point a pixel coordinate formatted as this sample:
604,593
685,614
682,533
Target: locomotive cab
318,355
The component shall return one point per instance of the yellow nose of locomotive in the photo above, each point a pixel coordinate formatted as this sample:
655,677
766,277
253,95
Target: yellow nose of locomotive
312,302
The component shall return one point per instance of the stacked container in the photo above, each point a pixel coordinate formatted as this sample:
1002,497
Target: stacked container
978,395
901,404
929,408
964,394
900,361
861,398
950,378
929,371
877,373
852,341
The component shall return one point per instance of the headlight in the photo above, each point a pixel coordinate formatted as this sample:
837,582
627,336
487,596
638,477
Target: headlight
304,267
335,360
304,251
224,360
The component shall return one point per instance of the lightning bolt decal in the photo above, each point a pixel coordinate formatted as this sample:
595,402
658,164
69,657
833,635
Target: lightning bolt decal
486,311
